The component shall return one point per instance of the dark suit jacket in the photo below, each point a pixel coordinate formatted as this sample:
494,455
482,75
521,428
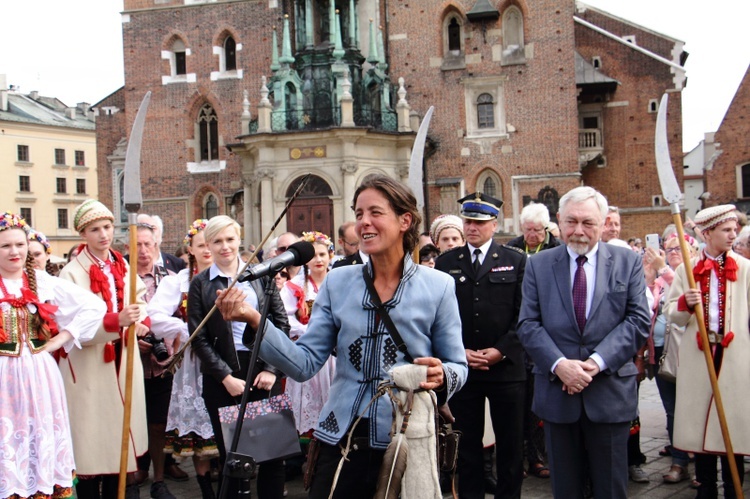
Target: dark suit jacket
617,326
489,305
353,259
173,263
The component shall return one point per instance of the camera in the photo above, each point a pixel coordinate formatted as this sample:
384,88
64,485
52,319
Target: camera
159,348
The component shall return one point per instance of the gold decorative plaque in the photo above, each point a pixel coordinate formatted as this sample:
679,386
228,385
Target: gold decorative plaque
307,152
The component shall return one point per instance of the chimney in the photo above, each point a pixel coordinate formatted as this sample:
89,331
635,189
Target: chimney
70,112
83,107
34,94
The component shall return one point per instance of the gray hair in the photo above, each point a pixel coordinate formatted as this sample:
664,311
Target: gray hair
584,193
219,223
536,213
158,224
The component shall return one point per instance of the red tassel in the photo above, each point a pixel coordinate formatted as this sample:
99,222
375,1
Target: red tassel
109,352
730,269
3,335
698,339
727,339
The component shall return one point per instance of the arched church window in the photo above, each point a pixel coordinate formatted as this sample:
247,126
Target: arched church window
208,130
454,35
230,54
180,58
210,206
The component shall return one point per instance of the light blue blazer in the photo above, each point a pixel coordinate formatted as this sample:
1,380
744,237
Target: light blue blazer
425,311
617,326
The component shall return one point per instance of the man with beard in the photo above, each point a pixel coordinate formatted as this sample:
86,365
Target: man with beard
583,318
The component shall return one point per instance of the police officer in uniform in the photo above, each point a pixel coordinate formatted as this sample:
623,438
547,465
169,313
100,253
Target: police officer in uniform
488,280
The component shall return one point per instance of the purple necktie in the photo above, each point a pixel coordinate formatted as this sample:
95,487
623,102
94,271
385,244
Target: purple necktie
579,293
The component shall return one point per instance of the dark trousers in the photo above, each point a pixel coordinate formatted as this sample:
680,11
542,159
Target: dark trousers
705,473
601,446
271,473
507,413
359,474
533,431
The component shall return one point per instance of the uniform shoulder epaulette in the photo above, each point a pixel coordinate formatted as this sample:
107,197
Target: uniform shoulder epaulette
518,250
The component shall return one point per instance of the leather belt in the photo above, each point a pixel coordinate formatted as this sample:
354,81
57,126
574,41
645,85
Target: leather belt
714,337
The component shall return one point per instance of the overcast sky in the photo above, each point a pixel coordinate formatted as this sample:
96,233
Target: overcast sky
73,50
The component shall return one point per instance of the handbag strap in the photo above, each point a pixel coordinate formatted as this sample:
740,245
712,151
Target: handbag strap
383,313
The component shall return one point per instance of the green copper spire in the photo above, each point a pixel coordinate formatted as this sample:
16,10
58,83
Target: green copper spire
381,50
275,52
353,42
338,51
373,57
286,44
332,21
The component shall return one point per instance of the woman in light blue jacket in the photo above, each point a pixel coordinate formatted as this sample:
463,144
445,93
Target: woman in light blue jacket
420,301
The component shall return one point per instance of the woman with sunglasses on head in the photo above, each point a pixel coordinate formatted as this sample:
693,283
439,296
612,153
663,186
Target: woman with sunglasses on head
190,433
39,314
422,304
220,347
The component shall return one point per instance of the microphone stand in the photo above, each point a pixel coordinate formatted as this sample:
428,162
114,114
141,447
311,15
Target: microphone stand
238,465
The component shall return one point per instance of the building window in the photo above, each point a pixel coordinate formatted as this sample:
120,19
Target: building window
454,35
62,218
489,187
210,207
485,111
230,54
62,186
745,180
80,186
453,42
180,58
24,183
80,158
208,130
513,42
59,156
23,153
26,215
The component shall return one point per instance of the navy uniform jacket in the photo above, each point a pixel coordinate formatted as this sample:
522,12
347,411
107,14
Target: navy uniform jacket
489,306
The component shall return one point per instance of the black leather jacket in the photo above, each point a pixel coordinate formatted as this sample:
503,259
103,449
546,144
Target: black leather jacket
214,345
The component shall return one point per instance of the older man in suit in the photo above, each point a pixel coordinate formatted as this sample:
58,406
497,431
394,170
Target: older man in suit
583,318
488,280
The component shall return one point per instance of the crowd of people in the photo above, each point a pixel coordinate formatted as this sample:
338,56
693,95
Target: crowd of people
533,349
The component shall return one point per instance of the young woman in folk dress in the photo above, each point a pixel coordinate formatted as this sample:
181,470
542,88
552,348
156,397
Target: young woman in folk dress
189,428
40,314
299,295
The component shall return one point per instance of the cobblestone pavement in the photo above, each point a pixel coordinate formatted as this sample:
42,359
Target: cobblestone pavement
653,438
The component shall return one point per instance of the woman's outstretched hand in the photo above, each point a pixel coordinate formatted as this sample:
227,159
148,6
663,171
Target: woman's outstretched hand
435,376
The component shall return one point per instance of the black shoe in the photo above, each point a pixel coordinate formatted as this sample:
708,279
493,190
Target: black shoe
159,490
132,492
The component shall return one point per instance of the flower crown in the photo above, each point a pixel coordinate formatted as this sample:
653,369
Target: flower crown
37,236
10,220
318,237
195,227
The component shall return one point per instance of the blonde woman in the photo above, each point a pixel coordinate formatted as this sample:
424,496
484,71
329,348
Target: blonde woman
219,345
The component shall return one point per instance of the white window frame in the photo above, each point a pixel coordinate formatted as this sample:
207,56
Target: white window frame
473,88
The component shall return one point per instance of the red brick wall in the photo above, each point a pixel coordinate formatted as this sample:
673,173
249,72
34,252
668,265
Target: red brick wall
732,139
174,107
539,95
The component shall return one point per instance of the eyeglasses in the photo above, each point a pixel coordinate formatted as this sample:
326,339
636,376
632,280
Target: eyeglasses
285,275
142,225
353,245
672,250
281,249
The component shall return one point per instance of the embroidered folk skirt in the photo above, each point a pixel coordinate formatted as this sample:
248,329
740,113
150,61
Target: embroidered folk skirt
35,439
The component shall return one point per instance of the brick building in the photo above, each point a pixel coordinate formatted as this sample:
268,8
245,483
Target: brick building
727,179
531,99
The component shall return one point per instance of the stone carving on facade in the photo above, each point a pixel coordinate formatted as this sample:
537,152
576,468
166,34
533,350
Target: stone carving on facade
349,167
